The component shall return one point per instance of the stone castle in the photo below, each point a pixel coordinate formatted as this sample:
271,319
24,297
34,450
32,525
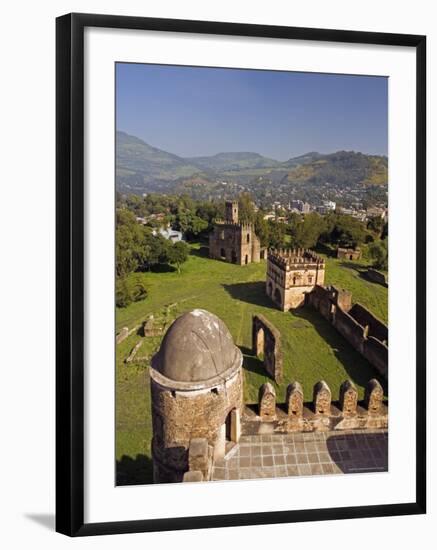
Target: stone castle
296,278
233,241
199,415
198,410
291,274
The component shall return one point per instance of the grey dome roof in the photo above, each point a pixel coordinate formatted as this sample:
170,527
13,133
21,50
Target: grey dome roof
197,347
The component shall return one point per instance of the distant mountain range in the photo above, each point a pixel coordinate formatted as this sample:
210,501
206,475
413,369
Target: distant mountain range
143,168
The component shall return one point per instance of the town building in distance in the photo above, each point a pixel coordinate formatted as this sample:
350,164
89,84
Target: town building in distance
233,241
291,274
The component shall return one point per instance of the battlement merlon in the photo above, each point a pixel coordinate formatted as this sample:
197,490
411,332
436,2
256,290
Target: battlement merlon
231,211
242,225
296,258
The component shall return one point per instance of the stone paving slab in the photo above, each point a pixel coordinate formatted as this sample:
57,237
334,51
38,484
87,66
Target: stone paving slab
305,454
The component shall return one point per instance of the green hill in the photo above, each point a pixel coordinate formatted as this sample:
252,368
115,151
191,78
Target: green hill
142,168
344,168
233,161
134,156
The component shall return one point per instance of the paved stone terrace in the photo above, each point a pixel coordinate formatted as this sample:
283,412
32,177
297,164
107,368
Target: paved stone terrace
304,454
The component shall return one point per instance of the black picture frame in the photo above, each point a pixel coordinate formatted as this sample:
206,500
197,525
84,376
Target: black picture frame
70,273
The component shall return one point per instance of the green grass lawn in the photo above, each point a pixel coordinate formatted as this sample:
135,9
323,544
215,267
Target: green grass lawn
312,348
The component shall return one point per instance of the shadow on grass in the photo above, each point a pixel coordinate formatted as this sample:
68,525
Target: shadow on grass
362,271
252,363
202,252
134,471
158,268
253,293
354,364
355,266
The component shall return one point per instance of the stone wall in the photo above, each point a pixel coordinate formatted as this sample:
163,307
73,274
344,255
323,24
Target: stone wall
182,415
321,414
349,253
291,275
365,332
235,243
364,317
266,340
122,335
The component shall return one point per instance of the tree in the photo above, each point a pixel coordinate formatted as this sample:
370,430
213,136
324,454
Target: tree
130,243
276,234
379,253
156,249
122,295
178,254
262,229
376,225
347,231
190,224
246,210
306,233
128,292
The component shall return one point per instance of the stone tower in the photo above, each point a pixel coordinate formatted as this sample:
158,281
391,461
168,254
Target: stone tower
231,211
233,241
291,274
197,392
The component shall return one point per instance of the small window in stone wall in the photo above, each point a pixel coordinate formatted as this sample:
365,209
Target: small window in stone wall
248,237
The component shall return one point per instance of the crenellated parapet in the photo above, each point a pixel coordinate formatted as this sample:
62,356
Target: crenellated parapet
289,258
320,414
291,274
241,225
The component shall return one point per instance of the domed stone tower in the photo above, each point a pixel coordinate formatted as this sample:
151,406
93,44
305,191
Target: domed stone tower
197,391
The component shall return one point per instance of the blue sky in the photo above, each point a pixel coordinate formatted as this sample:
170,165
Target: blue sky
191,111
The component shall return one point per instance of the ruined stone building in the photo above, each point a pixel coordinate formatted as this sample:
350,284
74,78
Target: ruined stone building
233,241
291,274
361,328
348,253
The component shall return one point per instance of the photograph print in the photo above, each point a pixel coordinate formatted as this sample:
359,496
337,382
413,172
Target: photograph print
251,276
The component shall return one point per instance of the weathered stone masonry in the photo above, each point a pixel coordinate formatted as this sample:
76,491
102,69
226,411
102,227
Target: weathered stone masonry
321,414
266,340
197,396
233,241
291,274
196,387
365,332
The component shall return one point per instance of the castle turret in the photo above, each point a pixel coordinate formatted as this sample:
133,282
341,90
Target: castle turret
196,383
231,211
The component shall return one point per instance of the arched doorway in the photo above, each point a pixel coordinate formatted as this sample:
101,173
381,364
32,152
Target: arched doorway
232,427
246,259
223,253
259,342
269,288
